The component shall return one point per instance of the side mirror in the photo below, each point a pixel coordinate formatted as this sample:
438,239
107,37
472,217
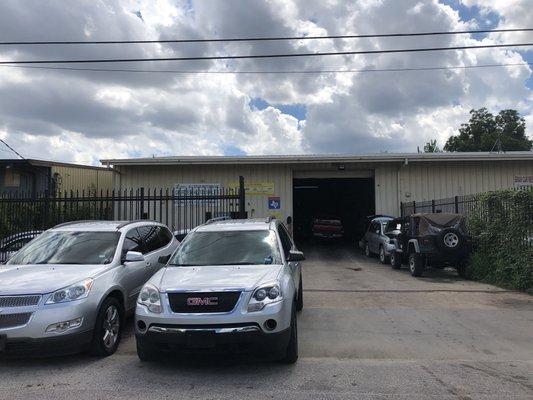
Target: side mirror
163,259
295,255
133,256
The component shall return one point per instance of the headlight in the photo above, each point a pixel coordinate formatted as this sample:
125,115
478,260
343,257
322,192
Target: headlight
77,291
266,294
150,298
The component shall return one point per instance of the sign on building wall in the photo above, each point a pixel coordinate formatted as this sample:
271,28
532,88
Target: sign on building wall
274,203
523,181
189,189
256,188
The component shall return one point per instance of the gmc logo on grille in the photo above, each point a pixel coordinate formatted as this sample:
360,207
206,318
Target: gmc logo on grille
205,301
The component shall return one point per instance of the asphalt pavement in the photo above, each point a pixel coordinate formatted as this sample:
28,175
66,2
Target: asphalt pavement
367,332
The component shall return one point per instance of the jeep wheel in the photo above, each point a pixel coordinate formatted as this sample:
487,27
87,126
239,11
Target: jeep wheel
108,328
291,355
300,297
384,259
416,264
451,240
367,251
395,260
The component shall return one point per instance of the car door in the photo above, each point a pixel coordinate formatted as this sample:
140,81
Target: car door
156,239
288,245
373,235
134,273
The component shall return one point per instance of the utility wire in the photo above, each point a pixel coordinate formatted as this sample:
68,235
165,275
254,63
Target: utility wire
325,71
285,55
272,38
12,149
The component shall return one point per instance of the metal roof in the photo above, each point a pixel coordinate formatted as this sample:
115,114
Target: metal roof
324,158
46,163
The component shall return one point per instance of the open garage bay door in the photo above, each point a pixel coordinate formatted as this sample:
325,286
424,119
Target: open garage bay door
349,199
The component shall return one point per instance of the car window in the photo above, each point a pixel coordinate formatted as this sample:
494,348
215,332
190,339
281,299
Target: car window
286,242
69,247
132,242
154,237
228,248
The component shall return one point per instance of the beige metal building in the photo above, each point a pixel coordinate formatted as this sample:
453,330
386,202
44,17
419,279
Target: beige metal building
299,186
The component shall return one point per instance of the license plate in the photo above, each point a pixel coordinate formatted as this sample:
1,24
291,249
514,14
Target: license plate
200,340
3,342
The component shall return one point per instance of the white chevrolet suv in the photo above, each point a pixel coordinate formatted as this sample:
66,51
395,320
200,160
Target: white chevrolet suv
231,285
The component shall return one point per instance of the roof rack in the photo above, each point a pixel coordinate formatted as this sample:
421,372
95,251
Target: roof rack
270,219
73,223
217,219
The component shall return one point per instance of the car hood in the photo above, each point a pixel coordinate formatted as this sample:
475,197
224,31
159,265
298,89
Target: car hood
41,278
246,277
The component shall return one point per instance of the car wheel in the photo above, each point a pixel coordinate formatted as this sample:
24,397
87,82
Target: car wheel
143,353
384,259
367,251
108,328
395,260
300,298
291,354
416,264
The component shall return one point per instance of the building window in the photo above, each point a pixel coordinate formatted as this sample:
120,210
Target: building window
11,178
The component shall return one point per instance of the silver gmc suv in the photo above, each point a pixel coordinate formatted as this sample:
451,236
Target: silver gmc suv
231,285
69,289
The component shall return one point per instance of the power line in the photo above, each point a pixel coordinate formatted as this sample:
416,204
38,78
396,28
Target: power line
11,148
271,38
253,56
326,71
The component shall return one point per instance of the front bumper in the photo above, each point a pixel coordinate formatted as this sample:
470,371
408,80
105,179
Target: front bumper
243,338
171,331
31,337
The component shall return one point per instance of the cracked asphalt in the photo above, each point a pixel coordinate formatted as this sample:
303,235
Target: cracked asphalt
367,332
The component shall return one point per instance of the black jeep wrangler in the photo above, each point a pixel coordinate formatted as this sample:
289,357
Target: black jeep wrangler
429,240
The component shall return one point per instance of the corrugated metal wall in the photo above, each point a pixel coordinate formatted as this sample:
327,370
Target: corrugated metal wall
226,175
83,179
394,182
427,181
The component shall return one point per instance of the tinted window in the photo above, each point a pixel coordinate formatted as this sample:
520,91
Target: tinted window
154,237
285,240
132,242
228,248
69,248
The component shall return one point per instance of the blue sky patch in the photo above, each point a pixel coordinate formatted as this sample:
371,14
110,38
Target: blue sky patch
297,110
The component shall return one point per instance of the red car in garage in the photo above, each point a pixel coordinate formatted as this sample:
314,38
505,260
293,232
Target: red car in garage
327,227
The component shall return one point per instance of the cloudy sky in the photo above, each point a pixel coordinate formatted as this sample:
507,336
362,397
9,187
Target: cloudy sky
83,116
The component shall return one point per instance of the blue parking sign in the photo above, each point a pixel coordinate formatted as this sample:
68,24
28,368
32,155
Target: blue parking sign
274,203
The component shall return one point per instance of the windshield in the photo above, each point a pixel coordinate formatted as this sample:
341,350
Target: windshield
69,248
228,248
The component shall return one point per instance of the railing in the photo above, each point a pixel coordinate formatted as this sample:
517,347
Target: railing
178,208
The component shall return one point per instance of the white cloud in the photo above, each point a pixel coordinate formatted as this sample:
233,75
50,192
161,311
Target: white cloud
84,116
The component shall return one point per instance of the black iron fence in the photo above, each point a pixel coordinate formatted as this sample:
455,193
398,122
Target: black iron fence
458,204
180,208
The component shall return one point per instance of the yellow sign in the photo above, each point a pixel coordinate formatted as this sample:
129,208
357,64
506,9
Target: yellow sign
256,188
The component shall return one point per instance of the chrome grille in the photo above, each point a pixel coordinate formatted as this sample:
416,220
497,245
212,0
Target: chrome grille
13,320
19,301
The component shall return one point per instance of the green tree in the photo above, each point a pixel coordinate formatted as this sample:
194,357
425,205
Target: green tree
432,147
486,132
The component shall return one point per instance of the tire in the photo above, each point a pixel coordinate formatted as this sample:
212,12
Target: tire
382,257
300,297
108,328
416,264
450,240
461,270
291,354
395,260
367,251
143,353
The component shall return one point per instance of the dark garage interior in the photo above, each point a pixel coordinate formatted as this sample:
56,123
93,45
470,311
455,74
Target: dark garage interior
350,199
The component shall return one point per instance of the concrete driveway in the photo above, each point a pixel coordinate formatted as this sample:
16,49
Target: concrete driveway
367,332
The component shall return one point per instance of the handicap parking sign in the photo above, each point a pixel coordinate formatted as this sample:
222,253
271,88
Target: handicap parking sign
274,203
